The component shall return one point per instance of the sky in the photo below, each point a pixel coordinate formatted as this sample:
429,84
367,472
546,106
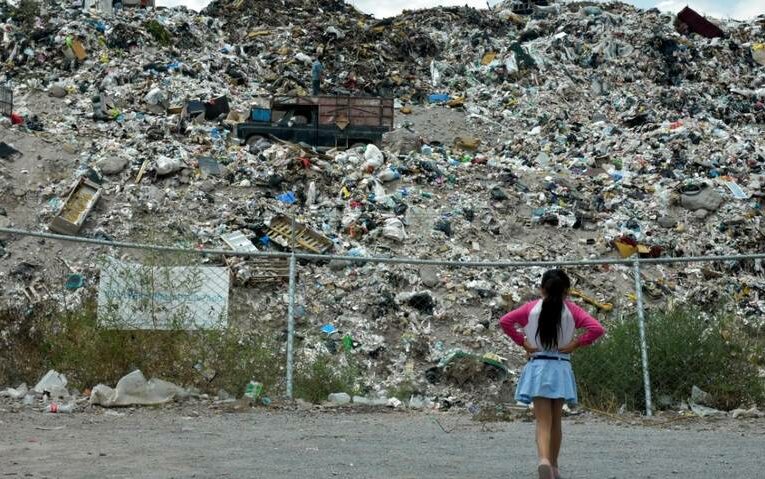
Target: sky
740,9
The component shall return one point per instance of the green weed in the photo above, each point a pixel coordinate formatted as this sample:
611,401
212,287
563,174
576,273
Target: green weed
88,352
158,32
404,390
686,347
318,378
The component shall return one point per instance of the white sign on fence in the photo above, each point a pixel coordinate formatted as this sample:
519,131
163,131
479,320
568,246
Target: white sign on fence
135,296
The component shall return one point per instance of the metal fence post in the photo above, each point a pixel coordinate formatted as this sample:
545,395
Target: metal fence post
643,344
291,312
291,324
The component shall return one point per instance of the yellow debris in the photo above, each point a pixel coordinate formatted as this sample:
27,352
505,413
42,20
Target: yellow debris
488,57
456,102
625,250
79,50
467,143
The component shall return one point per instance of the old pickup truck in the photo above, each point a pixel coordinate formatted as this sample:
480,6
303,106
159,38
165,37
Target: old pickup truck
335,121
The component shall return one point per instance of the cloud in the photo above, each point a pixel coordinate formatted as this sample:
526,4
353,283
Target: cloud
749,9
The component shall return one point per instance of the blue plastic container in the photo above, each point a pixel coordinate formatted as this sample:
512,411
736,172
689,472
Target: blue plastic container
438,97
261,115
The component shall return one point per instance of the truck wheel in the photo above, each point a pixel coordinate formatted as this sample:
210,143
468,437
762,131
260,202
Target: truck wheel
254,139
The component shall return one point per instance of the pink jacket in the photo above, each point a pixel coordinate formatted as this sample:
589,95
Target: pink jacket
573,318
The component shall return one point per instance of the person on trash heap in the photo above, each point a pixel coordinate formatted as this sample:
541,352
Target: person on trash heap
548,334
316,70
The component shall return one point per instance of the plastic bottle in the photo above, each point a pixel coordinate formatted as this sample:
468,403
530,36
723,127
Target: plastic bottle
254,390
60,408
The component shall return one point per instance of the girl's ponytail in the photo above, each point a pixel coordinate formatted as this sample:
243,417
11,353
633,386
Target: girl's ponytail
555,284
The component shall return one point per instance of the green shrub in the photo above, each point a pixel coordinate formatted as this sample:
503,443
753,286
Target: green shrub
685,348
404,390
158,32
608,373
88,353
318,378
22,354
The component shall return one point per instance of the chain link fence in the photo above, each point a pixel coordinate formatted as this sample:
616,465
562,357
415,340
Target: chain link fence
308,324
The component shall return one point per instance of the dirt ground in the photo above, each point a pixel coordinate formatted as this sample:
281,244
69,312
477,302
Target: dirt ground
199,443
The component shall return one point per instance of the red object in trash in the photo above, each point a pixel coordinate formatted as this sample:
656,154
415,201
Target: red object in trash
17,119
698,24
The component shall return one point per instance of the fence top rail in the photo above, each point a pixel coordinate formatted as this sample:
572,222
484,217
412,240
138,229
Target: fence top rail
381,259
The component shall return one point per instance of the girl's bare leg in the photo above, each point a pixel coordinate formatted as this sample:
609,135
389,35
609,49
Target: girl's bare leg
543,411
556,432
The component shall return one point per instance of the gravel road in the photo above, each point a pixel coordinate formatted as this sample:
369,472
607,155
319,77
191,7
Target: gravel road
160,443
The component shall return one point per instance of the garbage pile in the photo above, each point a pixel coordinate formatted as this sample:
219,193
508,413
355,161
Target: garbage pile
575,131
387,57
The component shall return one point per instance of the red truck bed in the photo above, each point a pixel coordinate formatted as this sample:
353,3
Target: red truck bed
346,110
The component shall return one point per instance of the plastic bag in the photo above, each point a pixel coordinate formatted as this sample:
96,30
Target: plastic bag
511,64
134,389
394,229
435,74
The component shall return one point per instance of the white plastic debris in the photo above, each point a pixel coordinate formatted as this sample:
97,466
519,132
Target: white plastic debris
365,401
339,398
310,197
703,411
699,396
435,74
166,165
394,229
374,158
302,57
135,390
15,393
155,97
52,382
416,402
388,175
511,64
752,413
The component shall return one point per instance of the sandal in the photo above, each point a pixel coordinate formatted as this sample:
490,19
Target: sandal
545,471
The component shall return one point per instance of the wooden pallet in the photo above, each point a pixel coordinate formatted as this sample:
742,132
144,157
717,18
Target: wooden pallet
269,269
264,270
280,231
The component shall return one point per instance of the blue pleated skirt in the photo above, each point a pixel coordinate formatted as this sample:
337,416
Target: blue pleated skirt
547,378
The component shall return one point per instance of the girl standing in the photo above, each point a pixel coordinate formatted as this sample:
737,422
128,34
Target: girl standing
548,336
